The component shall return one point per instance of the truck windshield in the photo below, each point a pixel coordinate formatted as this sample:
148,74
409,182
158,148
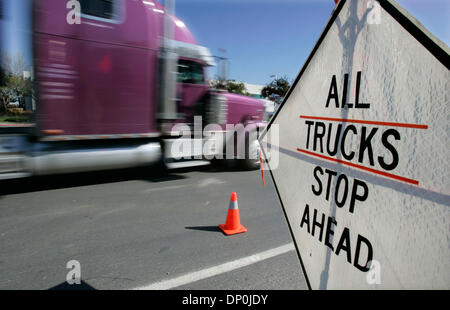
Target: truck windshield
190,72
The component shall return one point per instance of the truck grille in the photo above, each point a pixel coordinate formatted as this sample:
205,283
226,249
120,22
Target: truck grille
216,110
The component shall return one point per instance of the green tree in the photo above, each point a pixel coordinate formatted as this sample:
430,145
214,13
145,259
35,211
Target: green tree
279,86
13,85
6,96
230,86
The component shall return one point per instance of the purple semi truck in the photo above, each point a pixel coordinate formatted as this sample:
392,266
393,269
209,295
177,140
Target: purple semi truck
123,85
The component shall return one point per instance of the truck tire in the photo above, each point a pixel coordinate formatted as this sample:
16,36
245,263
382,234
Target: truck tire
160,167
252,160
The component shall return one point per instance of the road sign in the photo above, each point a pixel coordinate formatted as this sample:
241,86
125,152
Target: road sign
363,153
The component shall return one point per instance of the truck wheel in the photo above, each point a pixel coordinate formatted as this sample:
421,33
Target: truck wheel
160,167
252,160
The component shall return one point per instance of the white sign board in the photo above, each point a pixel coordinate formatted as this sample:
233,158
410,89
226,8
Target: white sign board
363,163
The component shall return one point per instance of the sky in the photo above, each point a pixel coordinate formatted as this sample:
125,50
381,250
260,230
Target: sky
15,29
261,38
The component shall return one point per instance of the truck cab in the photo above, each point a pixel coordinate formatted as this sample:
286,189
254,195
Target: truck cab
103,92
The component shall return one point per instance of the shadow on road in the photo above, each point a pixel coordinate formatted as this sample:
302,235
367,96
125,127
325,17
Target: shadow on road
223,167
206,228
42,183
83,286
149,174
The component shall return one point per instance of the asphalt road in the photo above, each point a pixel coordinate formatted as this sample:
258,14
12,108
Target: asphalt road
136,229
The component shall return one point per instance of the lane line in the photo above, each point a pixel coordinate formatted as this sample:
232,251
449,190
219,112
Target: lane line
164,188
219,269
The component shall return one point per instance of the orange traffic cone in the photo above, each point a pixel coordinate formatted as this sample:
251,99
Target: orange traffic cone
233,223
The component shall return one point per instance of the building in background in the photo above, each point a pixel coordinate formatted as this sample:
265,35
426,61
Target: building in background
26,75
254,90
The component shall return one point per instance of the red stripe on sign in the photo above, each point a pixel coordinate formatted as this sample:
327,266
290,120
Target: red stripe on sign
389,175
345,120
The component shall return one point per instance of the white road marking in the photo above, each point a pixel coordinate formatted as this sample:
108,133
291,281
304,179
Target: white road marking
210,181
155,189
201,184
216,270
